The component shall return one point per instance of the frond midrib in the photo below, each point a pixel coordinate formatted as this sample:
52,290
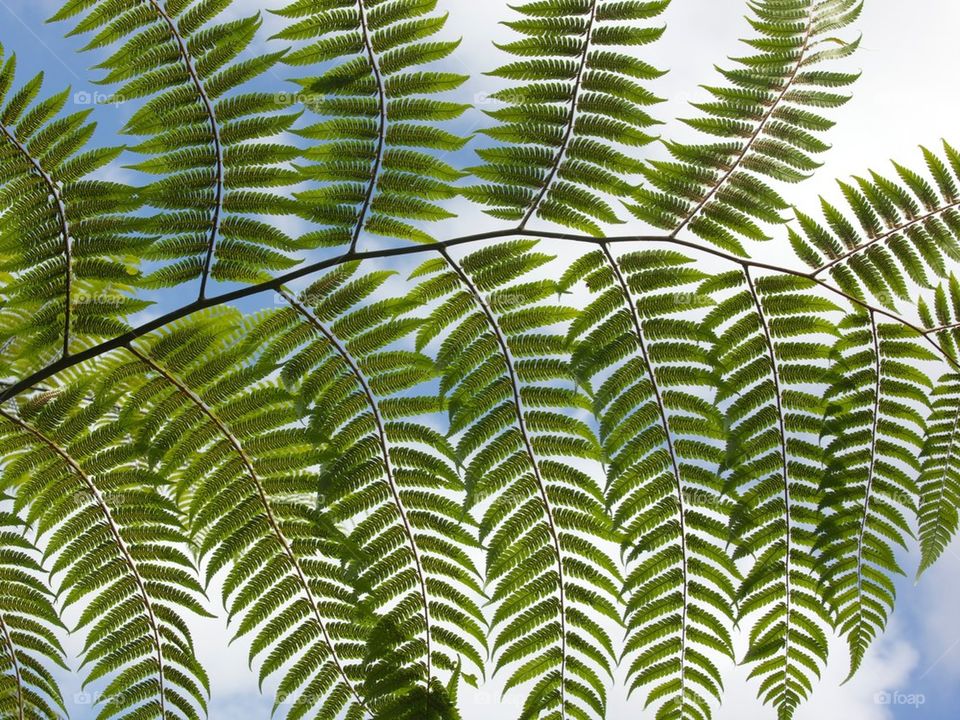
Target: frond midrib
902,227
272,285
671,449
761,126
15,664
267,508
534,463
57,194
121,545
381,125
788,521
204,98
390,479
570,122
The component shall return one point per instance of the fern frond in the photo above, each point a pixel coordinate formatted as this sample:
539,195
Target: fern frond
379,141
875,424
338,350
98,508
582,100
939,482
772,357
66,247
767,117
903,232
224,434
512,403
337,465
211,142
940,479
29,645
660,441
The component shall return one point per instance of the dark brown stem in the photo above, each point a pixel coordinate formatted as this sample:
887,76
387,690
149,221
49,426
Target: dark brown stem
276,283
941,328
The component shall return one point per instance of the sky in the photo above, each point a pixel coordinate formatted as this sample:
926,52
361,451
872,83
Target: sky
908,95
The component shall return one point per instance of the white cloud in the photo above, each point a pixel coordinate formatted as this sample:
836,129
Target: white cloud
935,608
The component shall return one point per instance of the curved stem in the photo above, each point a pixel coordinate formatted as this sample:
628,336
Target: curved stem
15,663
264,502
277,282
868,492
215,134
534,464
671,449
571,120
61,206
761,126
382,441
941,328
381,128
788,518
885,236
101,503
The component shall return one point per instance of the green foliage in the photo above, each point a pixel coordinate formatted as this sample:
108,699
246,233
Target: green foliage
214,148
939,482
771,354
875,419
244,478
578,98
560,462
369,405
375,158
68,254
28,621
660,442
766,118
903,233
115,545
510,396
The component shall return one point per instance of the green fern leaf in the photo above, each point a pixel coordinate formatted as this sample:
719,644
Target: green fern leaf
764,118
